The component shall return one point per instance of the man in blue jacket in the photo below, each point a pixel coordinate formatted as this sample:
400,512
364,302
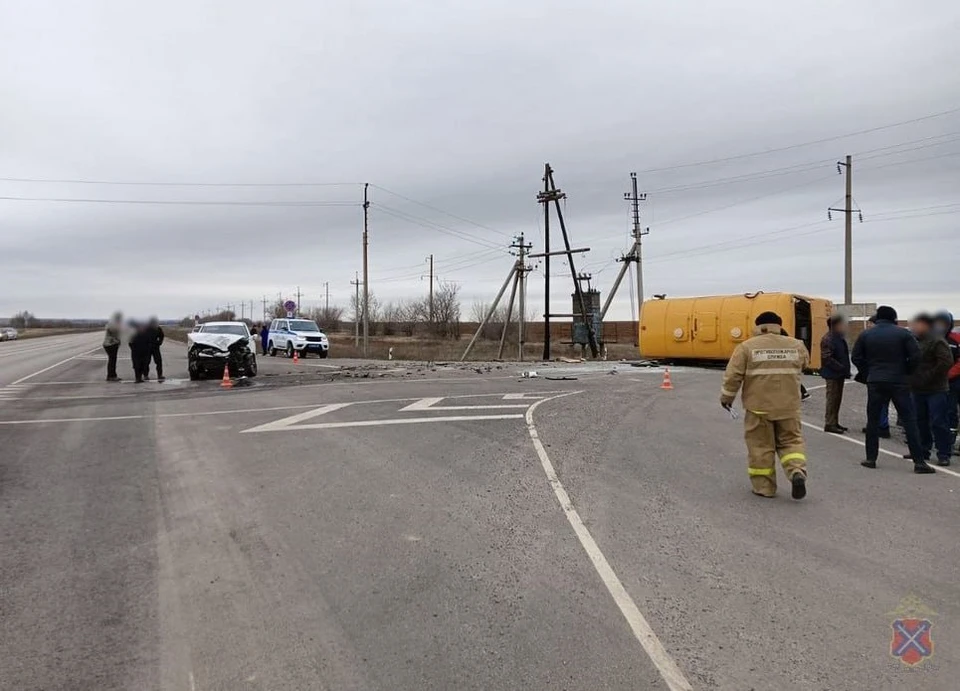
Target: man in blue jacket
889,355
835,370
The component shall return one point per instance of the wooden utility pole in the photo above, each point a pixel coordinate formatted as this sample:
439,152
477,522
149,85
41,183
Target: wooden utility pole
366,273
356,310
848,212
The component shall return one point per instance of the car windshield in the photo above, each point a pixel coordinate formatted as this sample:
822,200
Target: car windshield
303,325
235,329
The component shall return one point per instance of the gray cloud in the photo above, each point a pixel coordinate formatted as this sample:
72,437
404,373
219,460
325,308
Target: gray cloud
459,105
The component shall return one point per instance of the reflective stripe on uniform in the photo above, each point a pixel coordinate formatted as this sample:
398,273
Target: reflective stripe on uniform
760,471
772,370
732,394
793,457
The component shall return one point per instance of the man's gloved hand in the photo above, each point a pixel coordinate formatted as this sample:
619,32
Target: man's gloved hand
726,402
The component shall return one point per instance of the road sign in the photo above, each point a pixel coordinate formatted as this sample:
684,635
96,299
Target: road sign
290,306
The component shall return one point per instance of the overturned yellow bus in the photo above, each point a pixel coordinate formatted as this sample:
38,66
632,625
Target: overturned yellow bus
709,328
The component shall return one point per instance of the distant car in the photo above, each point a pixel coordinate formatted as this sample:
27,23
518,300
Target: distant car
300,335
8,333
214,345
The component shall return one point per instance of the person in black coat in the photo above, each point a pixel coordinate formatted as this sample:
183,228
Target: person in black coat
889,354
154,339
140,350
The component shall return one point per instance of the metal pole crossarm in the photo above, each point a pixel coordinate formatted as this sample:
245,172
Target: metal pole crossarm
579,250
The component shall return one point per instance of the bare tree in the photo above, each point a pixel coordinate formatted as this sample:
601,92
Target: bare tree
446,310
22,320
327,317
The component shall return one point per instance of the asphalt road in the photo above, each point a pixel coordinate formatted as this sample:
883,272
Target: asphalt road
438,527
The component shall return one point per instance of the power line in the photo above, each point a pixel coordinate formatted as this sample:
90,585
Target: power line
178,202
801,144
145,183
438,210
432,225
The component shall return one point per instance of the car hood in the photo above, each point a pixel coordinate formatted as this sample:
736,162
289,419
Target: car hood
309,333
218,341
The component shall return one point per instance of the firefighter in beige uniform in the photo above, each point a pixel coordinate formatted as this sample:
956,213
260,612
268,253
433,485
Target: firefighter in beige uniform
768,367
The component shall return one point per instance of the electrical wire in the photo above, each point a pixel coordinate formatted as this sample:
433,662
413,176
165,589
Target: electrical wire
432,225
438,210
824,140
145,183
180,202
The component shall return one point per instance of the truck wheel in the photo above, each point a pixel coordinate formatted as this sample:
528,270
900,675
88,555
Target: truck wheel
289,349
252,367
271,349
323,354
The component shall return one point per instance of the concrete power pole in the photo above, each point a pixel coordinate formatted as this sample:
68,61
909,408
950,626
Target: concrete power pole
298,301
326,300
638,233
431,290
848,212
356,311
366,274
264,307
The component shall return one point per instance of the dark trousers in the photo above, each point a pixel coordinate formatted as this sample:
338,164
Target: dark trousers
879,396
834,397
140,362
932,422
112,351
953,416
157,360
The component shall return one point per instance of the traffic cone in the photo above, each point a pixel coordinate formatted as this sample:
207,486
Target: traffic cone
296,358
667,384
226,383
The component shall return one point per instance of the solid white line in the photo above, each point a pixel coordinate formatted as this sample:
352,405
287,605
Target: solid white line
882,450
669,671
47,369
394,421
430,404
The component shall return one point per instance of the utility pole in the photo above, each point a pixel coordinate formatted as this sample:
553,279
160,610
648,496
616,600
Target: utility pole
264,308
366,273
522,249
356,311
326,300
848,212
635,198
243,310
431,291
546,261
298,301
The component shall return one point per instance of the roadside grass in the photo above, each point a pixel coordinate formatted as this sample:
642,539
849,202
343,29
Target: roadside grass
26,334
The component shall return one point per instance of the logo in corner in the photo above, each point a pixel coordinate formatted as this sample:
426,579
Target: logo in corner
912,641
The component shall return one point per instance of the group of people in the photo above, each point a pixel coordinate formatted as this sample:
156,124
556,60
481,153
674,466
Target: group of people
144,339
915,369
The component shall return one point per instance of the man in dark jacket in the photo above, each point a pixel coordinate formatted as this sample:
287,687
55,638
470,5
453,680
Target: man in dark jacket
139,350
835,370
931,390
889,354
154,337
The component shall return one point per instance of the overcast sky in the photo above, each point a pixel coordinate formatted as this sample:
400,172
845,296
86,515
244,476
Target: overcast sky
458,105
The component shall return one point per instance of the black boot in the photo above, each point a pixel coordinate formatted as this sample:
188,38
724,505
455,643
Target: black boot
868,464
923,468
834,429
799,486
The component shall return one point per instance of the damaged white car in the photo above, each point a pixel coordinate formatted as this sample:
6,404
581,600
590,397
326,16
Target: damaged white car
214,345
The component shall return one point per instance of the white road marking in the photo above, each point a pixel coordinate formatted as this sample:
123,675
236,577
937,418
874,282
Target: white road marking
395,421
431,404
522,397
286,422
47,369
669,671
939,469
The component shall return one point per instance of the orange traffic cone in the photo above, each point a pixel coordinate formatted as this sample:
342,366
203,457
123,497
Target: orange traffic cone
667,384
226,383
296,358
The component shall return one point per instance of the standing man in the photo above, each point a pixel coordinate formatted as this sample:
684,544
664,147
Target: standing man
943,323
768,368
265,337
889,354
835,370
111,345
154,336
139,350
931,391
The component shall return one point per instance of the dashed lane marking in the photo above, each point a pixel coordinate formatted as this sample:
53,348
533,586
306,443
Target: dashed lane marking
939,469
669,671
